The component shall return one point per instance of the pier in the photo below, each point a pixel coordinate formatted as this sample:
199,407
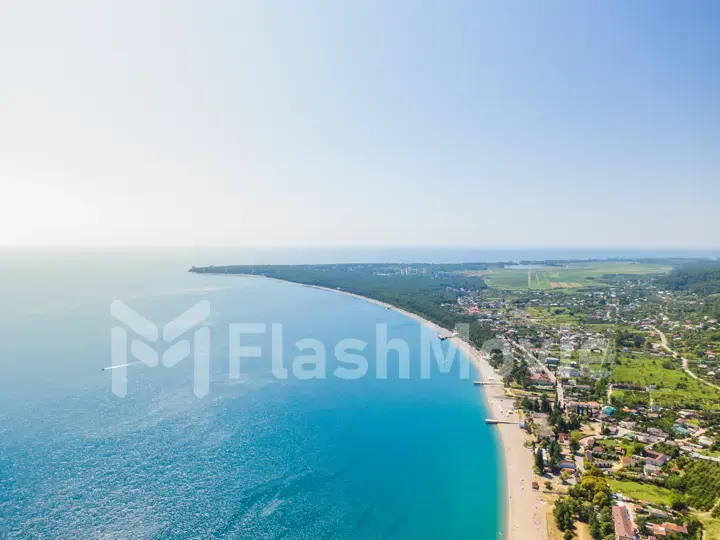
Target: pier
485,383
493,421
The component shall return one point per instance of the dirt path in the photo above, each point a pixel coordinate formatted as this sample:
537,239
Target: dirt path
558,385
685,368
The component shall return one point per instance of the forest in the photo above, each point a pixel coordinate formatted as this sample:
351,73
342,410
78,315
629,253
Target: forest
702,279
430,291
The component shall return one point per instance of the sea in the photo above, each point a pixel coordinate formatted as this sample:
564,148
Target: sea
257,456
249,453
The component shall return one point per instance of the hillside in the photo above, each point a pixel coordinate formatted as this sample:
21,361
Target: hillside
702,279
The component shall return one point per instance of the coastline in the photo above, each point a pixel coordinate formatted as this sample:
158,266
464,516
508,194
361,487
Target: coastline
522,508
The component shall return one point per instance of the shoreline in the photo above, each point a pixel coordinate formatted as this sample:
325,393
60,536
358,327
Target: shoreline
523,516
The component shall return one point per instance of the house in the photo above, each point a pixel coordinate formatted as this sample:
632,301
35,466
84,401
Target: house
629,461
657,513
672,527
535,486
569,372
567,465
656,458
552,361
543,429
623,523
655,432
707,442
581,408
540,379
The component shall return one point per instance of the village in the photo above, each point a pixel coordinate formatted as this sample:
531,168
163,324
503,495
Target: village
617,394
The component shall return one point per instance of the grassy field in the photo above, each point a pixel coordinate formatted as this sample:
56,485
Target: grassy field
610,444
554,316
675,389
628,398
569,276
712,527
642,492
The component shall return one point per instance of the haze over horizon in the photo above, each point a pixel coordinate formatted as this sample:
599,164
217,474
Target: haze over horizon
365,124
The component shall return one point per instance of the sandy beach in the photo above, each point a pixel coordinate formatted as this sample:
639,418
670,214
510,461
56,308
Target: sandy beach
524,508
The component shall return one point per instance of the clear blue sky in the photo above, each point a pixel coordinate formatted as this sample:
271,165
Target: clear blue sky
360,123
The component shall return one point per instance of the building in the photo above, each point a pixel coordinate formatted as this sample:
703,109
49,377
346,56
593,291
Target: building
623,523
543,429
656,432
655,530
608,410
569,372
656,458
590,408
657,513
629,461
677,529
705,441
540,379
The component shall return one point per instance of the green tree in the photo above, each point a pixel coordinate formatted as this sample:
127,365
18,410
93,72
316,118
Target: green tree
574,444
601,499
677,502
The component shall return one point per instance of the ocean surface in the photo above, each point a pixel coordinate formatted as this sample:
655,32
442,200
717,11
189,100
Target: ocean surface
259,457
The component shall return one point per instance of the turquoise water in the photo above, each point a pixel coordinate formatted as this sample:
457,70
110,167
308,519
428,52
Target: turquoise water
258,458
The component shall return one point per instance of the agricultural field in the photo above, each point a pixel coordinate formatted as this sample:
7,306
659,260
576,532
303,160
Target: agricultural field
567,276
643,492
673,388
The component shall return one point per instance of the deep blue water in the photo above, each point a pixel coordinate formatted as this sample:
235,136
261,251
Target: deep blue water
259,458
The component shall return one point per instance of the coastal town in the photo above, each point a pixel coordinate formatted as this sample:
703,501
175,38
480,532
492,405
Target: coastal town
618,391
601,378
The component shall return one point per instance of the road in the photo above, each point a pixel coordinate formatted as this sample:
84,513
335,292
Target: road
685,368
558,385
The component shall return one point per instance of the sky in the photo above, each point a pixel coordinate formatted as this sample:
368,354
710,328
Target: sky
373,123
